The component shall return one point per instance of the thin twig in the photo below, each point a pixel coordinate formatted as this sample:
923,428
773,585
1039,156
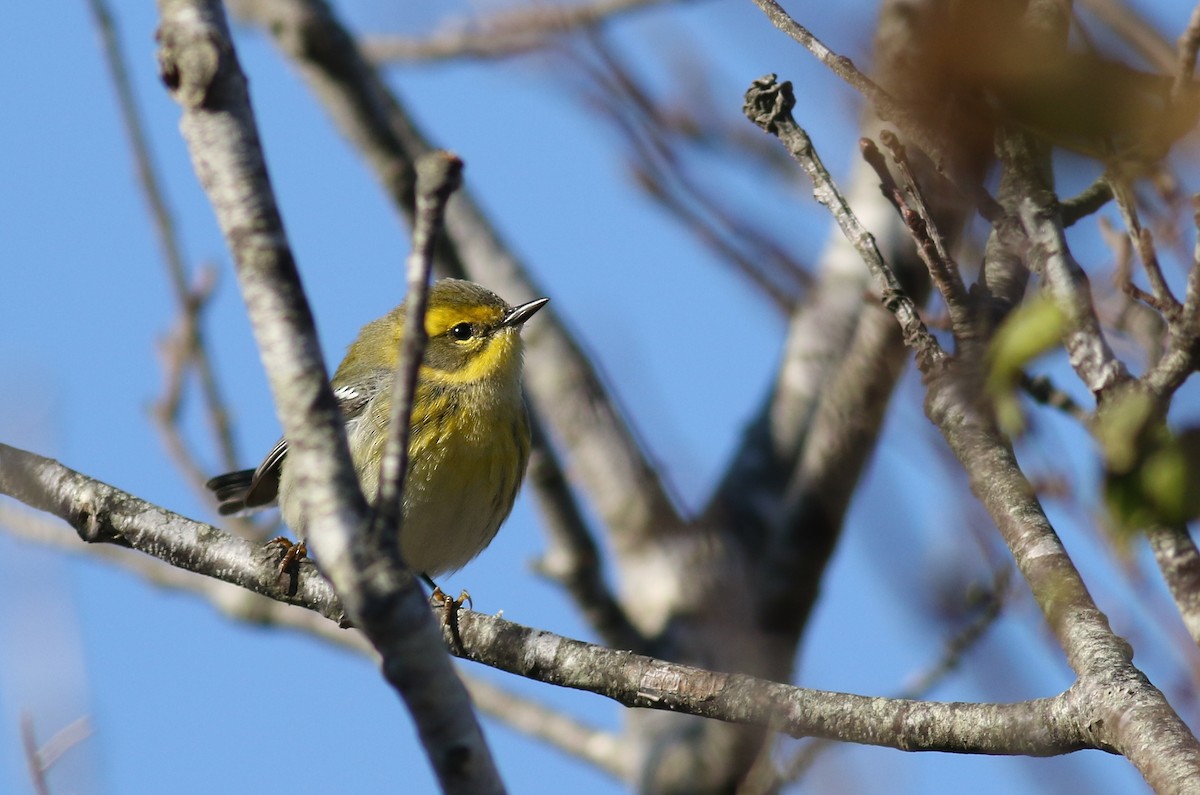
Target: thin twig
439,174
1143,243
769,105
33,762
1066,284
40,759
1041,389
604,750
191,349
1188,45
933,141
505,33
1125,20
1090,200
1178,560
572,556
930,245
1182,356
886,107
658,166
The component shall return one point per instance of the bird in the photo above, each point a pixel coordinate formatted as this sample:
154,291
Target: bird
469,439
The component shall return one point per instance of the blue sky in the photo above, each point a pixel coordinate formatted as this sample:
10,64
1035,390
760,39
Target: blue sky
182,699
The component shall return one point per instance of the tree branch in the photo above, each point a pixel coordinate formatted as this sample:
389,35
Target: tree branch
769,105
1178,559
602,749
1157,742
1064,280
502,34
103,514
1041,727
200,68
187,348
439,174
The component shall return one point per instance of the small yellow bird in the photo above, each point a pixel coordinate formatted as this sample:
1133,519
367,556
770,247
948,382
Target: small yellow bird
469,441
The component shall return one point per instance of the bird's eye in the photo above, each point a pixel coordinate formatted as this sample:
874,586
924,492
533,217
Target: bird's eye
463,331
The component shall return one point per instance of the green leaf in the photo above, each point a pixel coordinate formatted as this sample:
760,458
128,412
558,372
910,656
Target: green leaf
1032,329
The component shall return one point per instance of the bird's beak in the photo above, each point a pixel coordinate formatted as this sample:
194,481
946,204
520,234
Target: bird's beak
519,314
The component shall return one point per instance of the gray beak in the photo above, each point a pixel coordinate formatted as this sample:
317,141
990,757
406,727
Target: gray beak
519,314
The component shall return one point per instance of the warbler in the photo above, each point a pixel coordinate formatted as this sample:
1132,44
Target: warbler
469,439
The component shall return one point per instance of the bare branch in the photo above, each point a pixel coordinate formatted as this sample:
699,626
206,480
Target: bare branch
1126,21
103,514
930,245
33,762
656,154
1064,280
572,556
1189,46
200,68
439,174
1179,561
638,681
769,105
41,758
189,348
1158,743
502,34
885,106
230,599
1088,202
939,144
1182,357
602,749
1041,389
1143,243
951,659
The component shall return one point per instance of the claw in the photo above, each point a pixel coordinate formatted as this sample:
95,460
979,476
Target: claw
439,599
289,564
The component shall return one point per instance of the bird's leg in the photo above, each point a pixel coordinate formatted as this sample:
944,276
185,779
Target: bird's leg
440,598
289,563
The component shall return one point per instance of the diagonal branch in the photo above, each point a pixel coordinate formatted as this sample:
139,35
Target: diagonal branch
439,174
769,105
324,618
606,751
1064,280
188,349
1178,559
572,557
200,68
102,514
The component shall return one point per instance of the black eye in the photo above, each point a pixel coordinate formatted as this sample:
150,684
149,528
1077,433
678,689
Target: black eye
463,331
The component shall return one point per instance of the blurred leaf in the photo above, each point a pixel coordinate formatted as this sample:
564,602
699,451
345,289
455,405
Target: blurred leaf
1001,71
1152,476
1121,428
1171,478
1032,329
